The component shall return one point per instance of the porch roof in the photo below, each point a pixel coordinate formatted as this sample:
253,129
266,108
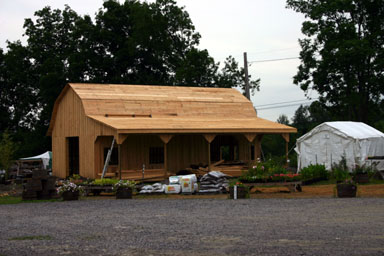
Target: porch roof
191,125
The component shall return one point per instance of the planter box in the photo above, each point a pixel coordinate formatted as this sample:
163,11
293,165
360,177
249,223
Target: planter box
70,196
242,192
124,193
346,190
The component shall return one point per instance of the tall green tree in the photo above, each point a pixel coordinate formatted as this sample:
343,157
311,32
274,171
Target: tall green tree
132,42
342,55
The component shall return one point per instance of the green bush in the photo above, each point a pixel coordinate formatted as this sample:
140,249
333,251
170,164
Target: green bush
370,170
339,174
340,171
312,172
263,171
102,182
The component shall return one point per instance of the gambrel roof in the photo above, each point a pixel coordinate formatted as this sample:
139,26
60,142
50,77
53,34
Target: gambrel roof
169,109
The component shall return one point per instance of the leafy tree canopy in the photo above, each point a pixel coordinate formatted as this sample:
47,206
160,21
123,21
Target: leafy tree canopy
131,43
342,55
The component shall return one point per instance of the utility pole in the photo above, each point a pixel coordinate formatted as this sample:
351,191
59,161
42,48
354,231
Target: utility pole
247,94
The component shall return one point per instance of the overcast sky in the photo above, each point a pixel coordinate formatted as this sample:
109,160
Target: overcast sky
264,29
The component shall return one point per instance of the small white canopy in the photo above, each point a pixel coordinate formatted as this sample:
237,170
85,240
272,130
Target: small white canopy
45,158
328,142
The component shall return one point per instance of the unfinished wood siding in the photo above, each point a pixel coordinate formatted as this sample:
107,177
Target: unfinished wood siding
184,150
59,160
135,152
71,121
101,143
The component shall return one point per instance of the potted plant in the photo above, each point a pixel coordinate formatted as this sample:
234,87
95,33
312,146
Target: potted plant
241,190
348,188
124,189
70,191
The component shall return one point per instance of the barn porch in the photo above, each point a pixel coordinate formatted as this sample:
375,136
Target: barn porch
152,157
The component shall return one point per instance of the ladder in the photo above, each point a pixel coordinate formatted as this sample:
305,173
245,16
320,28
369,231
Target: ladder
108,159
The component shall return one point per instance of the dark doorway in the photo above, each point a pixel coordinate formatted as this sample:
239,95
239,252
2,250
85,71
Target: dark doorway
73,155
224,147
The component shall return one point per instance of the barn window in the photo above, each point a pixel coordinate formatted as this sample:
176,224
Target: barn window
156,155
114,157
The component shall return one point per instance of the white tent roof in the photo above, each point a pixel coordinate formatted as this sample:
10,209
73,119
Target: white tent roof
45,158
329,142
355,130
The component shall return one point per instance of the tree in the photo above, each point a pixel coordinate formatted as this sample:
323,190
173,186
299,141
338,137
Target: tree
7,150
283,119
301,120
342,55
131,43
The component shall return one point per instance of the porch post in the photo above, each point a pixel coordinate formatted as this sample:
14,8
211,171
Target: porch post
119,156
209,138
165,138
250,137
120,138
165,161
258,146
286,138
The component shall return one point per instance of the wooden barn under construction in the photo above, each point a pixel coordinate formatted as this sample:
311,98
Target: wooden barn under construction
164,129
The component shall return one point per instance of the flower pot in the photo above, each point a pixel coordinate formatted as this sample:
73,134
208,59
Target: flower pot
242,192
346,190
361,178
69,195
124,193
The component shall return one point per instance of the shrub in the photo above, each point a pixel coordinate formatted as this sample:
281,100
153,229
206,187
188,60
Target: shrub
313,172
339,174
340,171
103,182
364,170
263,171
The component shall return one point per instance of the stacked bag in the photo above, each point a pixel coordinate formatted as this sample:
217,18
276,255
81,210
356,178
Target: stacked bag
155,188
214,182
186,184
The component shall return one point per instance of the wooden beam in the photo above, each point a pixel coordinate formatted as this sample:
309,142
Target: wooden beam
257,146
285,136
209,155
165,137
165,161
119,152
209,137
120,138
250,136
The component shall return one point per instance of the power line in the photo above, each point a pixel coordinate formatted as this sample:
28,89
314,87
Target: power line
270,60
275,50
284,106
283,102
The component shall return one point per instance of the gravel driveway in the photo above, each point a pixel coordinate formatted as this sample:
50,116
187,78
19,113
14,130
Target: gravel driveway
194,227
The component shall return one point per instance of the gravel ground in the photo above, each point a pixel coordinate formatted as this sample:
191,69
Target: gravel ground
194,227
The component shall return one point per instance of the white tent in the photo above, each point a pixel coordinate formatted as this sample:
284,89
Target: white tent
46,158
328,142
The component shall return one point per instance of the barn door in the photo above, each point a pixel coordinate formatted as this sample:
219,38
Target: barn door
73,155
